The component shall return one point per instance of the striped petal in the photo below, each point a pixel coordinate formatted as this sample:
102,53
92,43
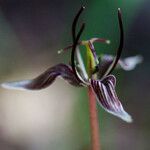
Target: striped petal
107,97
45,79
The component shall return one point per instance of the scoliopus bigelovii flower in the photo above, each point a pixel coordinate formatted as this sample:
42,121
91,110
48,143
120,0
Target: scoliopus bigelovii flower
102,81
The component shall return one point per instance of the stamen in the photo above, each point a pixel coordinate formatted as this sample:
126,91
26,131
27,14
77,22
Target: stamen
100,40
66,48
119,51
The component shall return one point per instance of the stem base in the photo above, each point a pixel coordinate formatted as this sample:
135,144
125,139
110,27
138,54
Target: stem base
93,121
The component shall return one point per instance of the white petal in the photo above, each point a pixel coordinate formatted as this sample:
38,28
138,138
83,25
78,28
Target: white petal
130,63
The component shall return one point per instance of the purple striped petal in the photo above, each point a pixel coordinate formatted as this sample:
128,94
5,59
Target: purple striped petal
107,97
45,79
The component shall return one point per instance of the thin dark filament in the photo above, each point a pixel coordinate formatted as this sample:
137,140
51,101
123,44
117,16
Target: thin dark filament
119,51
74,24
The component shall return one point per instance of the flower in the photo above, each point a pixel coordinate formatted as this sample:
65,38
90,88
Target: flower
101,80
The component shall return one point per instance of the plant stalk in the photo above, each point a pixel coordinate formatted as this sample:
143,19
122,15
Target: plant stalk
94,123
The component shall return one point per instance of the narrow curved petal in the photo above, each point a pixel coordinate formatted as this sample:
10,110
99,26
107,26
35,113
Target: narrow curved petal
130,63
45,79
107,97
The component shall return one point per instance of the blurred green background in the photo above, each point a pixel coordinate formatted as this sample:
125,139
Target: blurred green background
56,118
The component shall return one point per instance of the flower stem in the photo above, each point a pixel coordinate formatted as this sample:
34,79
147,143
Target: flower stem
95,140
94,124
